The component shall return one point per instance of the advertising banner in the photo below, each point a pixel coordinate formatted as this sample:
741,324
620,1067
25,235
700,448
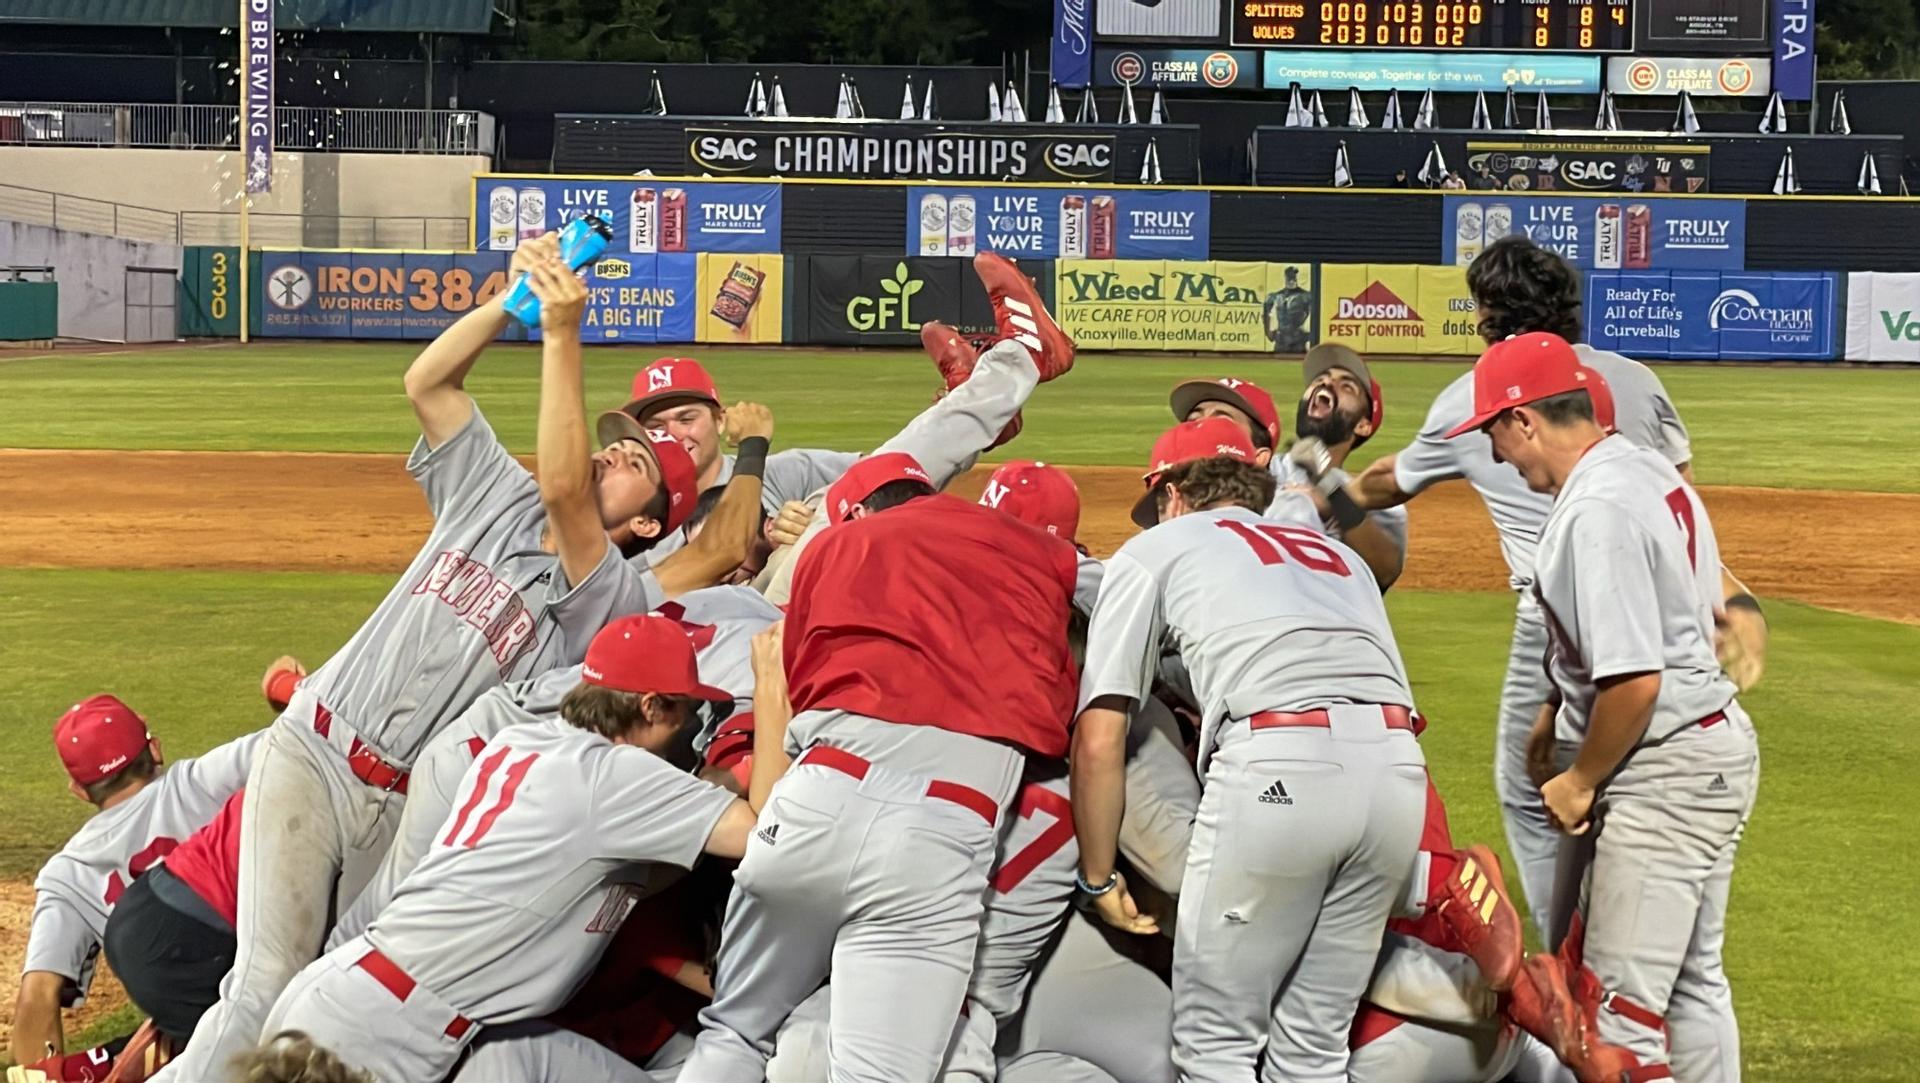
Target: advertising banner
1172,305
1758,316
1793,49
1545,165
642,299
1072,50
1335,70
648,217
256,94
349,294
1179,69
1596,233
1398,309
1067,223
1883,317
884,300
942,152
1702,77
741,298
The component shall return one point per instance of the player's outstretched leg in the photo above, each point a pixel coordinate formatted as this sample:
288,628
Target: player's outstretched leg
1021,315
955,356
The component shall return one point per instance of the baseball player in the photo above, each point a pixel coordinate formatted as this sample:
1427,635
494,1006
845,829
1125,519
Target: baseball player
145,807
722,621
560,828
676,396
1314,784
1520,287
514,580
1628,578
874,849
1340,407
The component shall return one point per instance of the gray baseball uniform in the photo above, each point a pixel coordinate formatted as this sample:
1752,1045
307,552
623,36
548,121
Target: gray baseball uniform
1090,1000
1305,833
1628,574
77,888
482,604
723,621
1298,507
947,437
557,834
793,474
1645,415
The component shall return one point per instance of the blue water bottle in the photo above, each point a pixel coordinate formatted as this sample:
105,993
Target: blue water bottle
581,243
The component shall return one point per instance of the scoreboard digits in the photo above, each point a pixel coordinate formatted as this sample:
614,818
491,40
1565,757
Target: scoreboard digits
1506,25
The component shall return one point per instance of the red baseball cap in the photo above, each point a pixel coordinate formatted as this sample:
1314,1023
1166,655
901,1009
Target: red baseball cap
646,653
867,475
1519,370
1250,398
1332,355
98,736
1036,494
669,379
1602,395
1207,438
678,477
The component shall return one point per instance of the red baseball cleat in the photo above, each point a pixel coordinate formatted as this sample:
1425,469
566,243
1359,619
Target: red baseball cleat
1479,912
955,356
951,352
145,1054
1542,1005
1021,315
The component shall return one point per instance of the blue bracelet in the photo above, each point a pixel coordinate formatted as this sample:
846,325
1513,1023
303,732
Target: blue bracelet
1080,881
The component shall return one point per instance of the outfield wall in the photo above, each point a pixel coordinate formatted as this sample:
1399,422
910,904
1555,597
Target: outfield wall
1134,269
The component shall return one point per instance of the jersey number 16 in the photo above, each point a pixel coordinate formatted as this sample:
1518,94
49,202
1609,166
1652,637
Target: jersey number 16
1307,549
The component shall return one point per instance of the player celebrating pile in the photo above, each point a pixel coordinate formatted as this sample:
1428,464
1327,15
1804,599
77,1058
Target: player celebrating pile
1628,576
1314,783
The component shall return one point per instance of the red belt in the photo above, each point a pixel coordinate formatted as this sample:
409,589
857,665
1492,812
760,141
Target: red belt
1397,718
1713,719
364,762
849,764
396,982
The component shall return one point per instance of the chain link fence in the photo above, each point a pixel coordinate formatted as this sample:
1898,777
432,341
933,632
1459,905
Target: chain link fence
217,127
84,215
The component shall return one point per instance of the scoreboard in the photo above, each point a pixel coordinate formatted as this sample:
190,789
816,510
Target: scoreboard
1583,26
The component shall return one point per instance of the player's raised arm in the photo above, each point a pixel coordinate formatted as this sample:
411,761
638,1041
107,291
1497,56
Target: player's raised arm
735,522
566,462
436,381
772,710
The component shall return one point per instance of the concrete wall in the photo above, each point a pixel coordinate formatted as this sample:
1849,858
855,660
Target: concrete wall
205,182
91,270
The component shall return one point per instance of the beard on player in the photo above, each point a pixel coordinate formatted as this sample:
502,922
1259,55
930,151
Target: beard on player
1321,413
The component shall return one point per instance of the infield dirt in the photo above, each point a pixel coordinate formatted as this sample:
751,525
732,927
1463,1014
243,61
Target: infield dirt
1854,552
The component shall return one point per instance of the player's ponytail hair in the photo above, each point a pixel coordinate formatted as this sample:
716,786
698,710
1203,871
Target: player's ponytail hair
1521,287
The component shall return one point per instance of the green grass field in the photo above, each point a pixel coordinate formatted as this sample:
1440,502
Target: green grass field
1751,426
1823,937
